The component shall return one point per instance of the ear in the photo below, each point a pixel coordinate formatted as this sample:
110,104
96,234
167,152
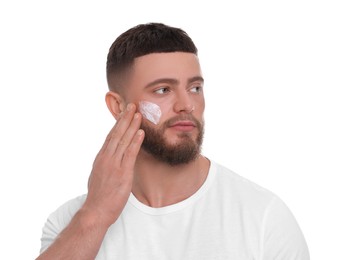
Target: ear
115,104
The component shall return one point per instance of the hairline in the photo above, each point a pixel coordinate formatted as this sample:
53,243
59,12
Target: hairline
126,70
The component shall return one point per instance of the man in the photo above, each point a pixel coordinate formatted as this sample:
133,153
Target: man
151,194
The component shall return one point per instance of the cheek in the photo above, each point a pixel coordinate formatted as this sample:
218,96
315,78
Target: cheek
150,111
200,105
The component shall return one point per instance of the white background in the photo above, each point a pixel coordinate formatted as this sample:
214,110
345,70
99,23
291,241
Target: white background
275,90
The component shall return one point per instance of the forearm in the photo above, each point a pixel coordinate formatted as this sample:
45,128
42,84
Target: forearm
109,187
81,239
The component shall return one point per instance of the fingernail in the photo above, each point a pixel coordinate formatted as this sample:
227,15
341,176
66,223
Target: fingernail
129,107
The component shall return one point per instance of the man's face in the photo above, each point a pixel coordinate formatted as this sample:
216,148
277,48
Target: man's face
174,82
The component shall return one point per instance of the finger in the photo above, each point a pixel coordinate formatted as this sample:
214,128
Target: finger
131,152
108,138
118,130
127,137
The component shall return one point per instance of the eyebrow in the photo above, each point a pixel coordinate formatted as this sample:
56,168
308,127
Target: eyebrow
172,81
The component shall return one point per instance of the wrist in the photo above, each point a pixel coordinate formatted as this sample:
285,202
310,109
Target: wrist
90,219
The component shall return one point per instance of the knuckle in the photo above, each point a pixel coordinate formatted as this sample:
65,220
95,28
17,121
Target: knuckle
122,142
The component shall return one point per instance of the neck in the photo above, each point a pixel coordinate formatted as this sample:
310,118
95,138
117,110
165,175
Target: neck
158,184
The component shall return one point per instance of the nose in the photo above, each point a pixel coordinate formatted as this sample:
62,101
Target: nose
183,103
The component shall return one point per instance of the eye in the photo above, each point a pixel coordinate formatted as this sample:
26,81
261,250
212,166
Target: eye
162,90
196,89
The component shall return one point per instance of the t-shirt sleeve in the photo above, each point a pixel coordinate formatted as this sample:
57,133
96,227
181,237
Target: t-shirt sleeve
58,220
282,238
49,232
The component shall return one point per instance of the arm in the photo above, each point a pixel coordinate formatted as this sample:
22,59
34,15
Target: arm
109,187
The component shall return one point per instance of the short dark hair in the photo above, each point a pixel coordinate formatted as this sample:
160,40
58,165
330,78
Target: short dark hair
141,40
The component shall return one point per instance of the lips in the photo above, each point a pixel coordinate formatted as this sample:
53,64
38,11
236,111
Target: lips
183,125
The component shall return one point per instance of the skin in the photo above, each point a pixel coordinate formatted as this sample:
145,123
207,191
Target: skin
121,167
155,183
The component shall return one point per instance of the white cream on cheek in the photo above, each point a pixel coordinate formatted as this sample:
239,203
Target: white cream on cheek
150,111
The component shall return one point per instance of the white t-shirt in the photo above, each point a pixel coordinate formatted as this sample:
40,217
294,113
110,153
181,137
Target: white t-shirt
229,217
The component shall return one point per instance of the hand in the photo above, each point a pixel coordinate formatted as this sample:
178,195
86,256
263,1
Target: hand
110,181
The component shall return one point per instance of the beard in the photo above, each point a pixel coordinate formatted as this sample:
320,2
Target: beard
184,151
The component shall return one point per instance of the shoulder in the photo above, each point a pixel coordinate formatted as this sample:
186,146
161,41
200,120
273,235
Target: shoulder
243,195
63,214
59,219
238,187
280,233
